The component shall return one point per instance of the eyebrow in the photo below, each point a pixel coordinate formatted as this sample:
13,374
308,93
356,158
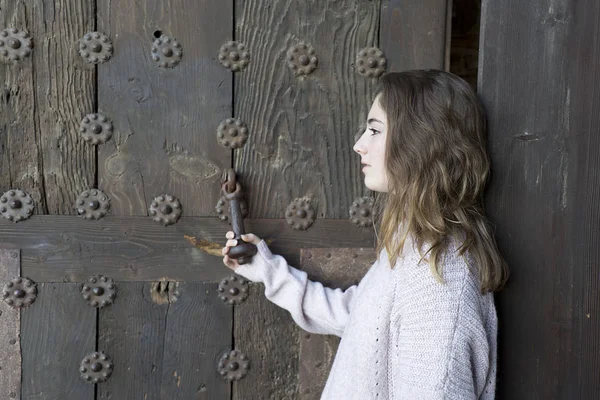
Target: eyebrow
374,120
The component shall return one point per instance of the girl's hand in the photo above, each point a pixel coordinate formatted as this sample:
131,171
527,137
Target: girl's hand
231,242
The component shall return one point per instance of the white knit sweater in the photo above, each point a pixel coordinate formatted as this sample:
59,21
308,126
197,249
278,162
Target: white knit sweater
404,335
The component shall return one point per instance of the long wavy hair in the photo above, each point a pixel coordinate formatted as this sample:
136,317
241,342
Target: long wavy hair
437,168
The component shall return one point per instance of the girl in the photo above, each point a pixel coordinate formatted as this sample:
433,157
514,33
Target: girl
422,323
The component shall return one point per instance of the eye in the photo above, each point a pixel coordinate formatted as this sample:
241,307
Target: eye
374,131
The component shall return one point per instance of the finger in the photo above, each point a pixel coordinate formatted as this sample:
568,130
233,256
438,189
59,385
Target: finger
230,263
231,243
251,238
230,235
225,250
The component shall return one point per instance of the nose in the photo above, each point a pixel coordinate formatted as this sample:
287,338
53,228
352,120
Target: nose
359,147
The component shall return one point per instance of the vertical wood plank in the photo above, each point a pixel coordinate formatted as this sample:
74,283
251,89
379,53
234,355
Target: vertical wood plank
64,94
132,334
199,331
338,268
414,32
539,82
44,98
303,128
165,118
269,337
57,331
19,140
10,326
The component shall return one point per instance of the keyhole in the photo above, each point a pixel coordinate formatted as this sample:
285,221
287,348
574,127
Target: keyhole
157,34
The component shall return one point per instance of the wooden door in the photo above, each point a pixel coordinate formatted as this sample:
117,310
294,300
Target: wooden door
115,128
538,81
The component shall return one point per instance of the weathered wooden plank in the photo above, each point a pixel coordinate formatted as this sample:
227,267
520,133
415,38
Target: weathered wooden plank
57,331
69,249
199,332
338,268
165,118
539,82
19,139
64,94
303,128
10,326
132,333
414,33
269,337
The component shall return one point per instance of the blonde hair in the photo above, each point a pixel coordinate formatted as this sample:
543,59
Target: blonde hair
437,168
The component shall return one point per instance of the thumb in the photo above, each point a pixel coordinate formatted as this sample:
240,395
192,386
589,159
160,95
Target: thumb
251,238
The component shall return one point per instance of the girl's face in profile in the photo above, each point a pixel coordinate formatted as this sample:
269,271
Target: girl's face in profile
371,148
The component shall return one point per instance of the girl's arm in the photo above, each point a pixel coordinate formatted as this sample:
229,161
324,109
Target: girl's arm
314,307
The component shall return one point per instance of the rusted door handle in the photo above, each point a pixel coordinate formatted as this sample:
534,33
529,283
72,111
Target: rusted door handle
232,191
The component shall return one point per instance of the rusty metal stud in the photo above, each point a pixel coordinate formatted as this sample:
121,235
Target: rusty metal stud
99,291
232,133
96,367
96,128
233,290
95,47
234,55
302,59
165,209
16,205
19,292
166,52
361,211
233,365
370,62
224,211
92,204
15,45
300,214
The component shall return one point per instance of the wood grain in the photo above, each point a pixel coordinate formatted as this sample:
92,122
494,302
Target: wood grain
413,33
267,334
70,249
539,82
10,327
20,164
303,129
132,333
165,119
199,331
57,331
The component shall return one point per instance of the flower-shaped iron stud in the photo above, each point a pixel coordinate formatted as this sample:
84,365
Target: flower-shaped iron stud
16,205
370,62
96,128
15,45
96,367
92,204
165,209
234,365
99,291
19,292
361,211
233,290
300,214
224,211
232,133
302,59
234,55
95,47
166,52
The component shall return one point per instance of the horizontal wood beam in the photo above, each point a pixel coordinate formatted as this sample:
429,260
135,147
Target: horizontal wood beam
57,248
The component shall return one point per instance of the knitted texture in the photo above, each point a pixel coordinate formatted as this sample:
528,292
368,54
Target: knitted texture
404,334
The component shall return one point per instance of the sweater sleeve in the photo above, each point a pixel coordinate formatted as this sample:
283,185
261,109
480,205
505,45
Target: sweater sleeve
441,349
314,307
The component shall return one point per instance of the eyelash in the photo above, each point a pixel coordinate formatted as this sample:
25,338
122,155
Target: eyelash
374,131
